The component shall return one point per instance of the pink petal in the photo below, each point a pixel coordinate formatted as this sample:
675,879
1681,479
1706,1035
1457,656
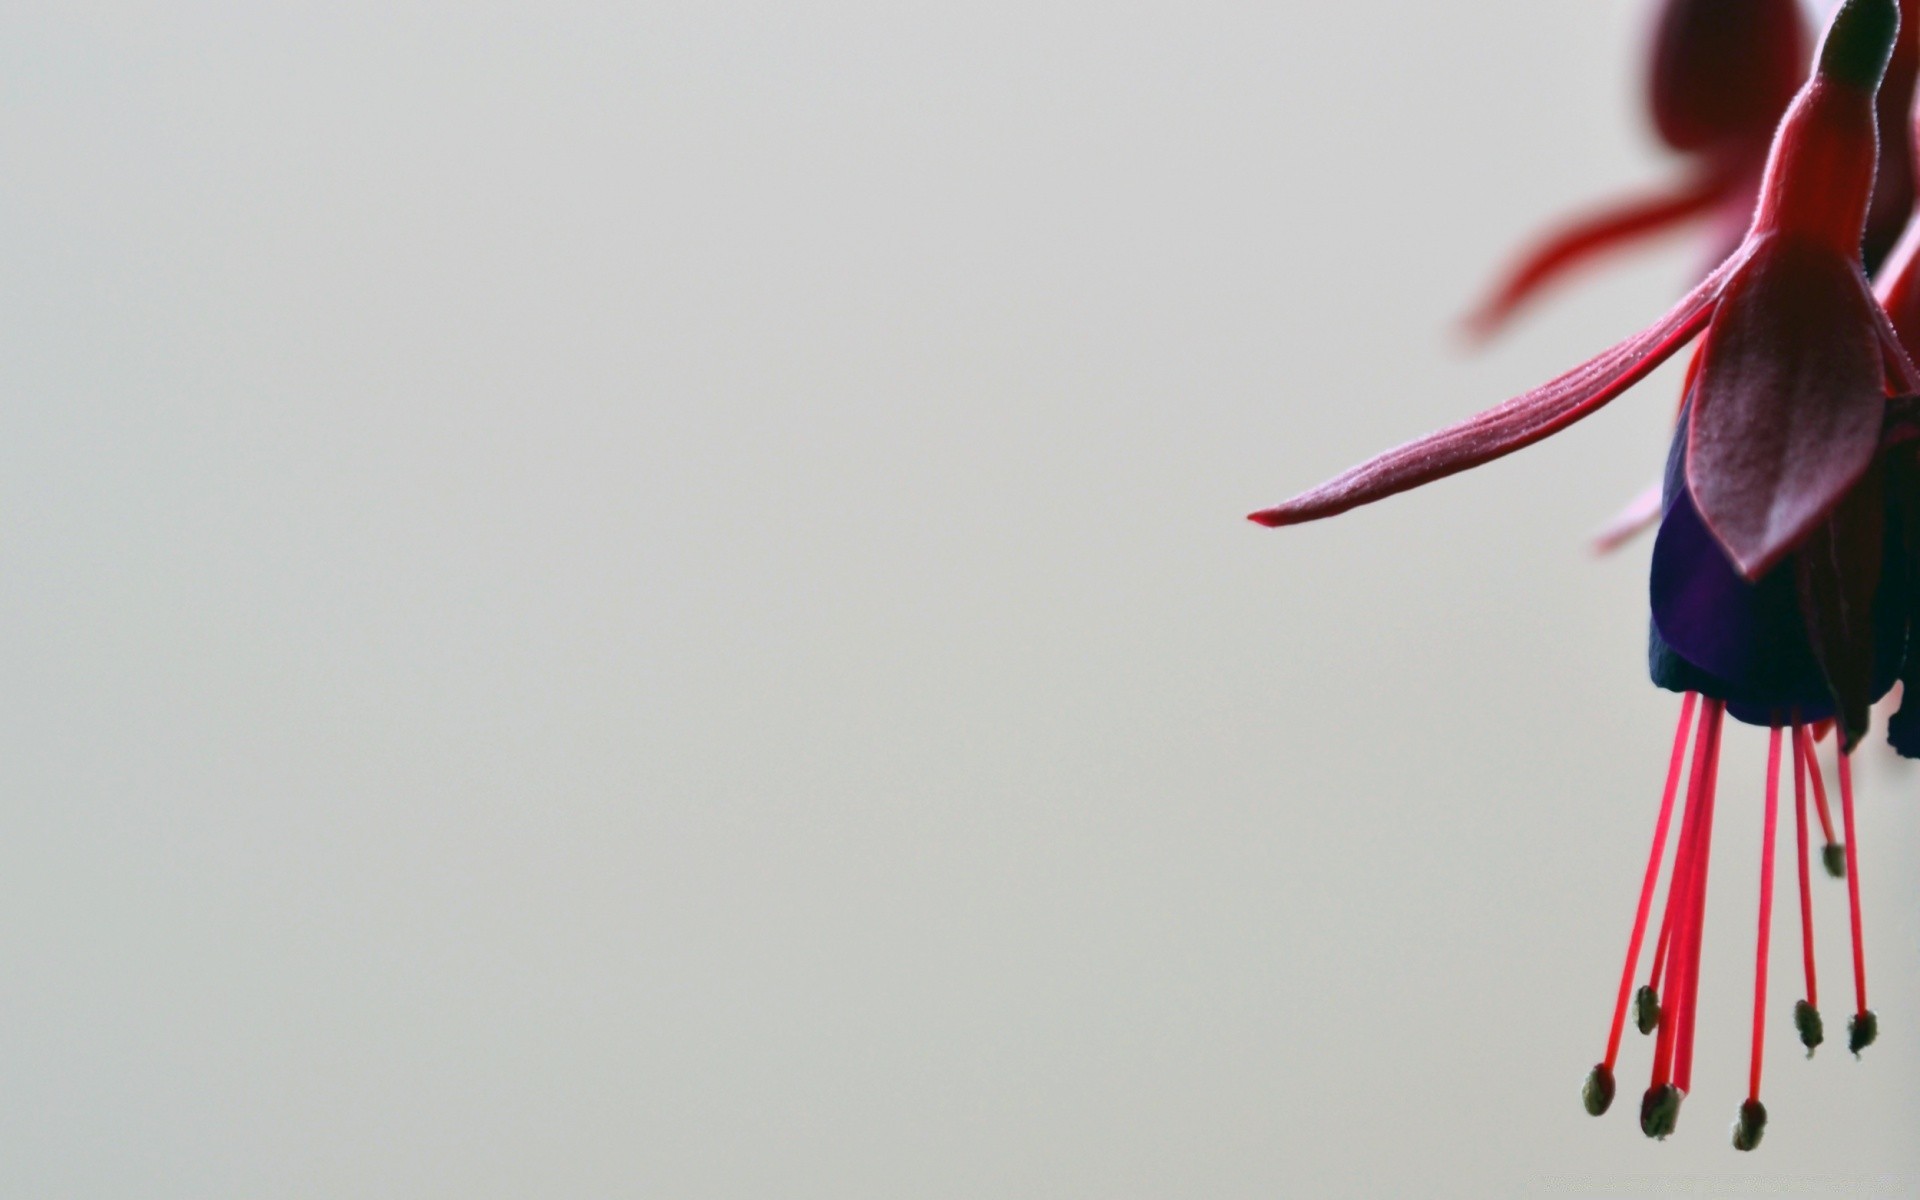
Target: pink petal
1790,400
1519,422
1837,574
1639,514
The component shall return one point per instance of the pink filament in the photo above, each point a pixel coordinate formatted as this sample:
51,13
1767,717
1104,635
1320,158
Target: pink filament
1806,885
1766,914
1853,885
1679,888
1652,876
1696,923
1819,787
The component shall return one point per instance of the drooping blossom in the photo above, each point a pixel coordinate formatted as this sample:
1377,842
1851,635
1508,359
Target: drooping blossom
1893,198
1782,581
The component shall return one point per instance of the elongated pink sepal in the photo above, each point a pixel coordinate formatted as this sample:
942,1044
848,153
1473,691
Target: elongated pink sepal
1518,423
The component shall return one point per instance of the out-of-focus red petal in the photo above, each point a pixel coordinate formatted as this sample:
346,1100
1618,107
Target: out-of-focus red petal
1724,69
1563,250
1639,515
1519,422
1789,403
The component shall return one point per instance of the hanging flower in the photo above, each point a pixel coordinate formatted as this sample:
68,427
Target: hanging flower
1893,190
1783,573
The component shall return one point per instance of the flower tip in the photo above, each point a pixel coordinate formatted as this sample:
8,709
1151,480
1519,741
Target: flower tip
1477,328
1859,42
1813,1031
1272,518
1660,1111
1862,1031
1750,1126
1646,1009
1834,857
1641,513
1597,1092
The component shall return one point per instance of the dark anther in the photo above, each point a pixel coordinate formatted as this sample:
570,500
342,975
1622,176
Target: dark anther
1597,1095
1646,1009
1660,1111
1806,1018
1834,855
1861,1031
1752,1124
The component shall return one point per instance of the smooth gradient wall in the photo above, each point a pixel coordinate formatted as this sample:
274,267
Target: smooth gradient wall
650,600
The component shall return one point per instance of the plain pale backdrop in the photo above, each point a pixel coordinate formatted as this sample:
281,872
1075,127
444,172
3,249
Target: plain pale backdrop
649,600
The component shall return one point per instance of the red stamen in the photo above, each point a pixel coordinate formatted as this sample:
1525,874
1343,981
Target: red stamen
1853,887
1806,876
1766,914
1819,786
1673,936
1652,876
1666,924
1696,923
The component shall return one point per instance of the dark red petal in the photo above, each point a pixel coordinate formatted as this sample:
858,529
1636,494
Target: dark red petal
1789,403
1903,490
1612,228
1519,422
1837,574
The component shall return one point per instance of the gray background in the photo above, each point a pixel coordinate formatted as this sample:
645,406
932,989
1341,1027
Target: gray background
650,600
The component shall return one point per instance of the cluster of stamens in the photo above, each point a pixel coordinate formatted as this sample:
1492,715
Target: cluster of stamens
1666,1004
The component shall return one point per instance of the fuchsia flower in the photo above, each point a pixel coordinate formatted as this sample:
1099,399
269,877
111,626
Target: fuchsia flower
1695,73
1786,574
